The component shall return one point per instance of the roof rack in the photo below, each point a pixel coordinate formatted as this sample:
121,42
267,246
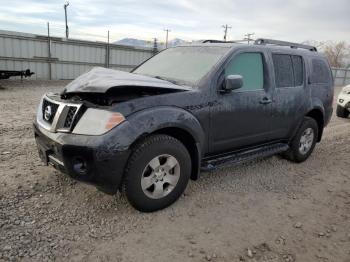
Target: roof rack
264,41
216,41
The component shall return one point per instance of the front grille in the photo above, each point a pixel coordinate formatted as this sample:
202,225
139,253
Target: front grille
58,116
70,116
49,110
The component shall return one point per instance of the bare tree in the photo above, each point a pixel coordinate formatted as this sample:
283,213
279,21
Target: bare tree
336,53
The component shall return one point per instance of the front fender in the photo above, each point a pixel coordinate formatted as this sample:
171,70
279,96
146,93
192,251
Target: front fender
150,120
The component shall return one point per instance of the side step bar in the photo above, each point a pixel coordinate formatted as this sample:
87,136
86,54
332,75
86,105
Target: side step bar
243,156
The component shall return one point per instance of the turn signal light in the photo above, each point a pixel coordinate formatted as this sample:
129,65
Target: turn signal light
114,120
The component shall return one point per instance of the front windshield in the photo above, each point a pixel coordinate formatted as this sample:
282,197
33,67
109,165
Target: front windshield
182,65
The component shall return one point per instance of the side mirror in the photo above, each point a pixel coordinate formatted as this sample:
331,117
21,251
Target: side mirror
233,82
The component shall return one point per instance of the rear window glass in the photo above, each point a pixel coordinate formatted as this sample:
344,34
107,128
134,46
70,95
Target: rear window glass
283,70
320,72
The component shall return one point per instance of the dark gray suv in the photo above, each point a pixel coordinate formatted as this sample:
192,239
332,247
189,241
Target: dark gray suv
186,109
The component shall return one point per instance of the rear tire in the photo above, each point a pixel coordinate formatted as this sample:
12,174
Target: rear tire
342,112
157,173
304,141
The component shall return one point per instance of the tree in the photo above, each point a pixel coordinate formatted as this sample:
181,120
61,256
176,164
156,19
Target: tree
336,53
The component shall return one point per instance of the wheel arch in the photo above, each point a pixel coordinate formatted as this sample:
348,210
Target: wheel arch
186,138
174,122
318,115
189,142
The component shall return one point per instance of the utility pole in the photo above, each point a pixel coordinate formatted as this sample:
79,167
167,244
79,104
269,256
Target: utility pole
248,37
65,15
166,39
226,27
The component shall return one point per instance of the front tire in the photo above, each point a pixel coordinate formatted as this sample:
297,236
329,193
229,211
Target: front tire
342,112
303,143
157,173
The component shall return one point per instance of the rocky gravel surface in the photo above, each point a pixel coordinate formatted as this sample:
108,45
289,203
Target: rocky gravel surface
265,210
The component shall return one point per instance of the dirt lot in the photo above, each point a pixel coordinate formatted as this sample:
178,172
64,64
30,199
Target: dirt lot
267,210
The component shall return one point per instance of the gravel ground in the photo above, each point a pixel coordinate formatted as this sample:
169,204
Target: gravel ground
265,210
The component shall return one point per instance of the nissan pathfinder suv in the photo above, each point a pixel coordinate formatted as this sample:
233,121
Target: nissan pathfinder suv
186,109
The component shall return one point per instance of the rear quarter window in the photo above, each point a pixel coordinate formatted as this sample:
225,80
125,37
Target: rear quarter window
320,72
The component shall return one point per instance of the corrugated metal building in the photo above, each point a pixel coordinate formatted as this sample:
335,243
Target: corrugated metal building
68,59
341,76
59,58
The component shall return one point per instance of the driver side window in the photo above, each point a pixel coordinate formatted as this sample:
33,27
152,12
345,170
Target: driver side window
250,67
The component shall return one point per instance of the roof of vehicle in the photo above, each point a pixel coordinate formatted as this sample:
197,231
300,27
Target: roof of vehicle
286,46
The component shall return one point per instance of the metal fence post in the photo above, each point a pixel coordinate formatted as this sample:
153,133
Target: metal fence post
345,76
107,52
49,50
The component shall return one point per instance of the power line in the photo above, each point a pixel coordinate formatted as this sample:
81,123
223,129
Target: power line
226,27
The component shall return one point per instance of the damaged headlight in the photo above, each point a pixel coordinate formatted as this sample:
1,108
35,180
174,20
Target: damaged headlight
97,122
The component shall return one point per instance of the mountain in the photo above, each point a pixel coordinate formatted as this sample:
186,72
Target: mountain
134,42
144,43
177,41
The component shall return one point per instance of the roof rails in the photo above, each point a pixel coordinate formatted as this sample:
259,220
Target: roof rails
264,41
216,41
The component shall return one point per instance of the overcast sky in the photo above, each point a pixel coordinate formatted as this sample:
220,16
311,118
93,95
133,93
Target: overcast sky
294,20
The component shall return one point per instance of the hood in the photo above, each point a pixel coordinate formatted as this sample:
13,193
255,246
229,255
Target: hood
100,80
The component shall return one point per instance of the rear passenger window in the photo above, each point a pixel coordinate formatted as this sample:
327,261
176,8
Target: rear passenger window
320,72
289,70
298,67
250,67
283,70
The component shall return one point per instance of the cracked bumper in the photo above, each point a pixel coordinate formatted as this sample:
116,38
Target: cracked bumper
89,159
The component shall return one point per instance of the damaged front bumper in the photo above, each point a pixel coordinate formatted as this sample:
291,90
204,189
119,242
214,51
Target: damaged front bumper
85,158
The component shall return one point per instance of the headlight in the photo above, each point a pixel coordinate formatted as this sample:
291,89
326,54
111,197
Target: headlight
97,122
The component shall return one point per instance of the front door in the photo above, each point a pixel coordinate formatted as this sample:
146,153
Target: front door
242,117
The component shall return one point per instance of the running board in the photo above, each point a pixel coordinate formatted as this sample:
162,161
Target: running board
243,156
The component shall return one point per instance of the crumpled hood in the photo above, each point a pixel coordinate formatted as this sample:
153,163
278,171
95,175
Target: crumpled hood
100,80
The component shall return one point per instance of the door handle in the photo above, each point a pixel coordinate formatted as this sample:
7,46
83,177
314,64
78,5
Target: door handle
265,101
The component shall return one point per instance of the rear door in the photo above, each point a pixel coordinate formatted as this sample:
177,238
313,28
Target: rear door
242,117
290,96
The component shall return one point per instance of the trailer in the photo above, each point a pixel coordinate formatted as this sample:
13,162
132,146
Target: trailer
6,74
